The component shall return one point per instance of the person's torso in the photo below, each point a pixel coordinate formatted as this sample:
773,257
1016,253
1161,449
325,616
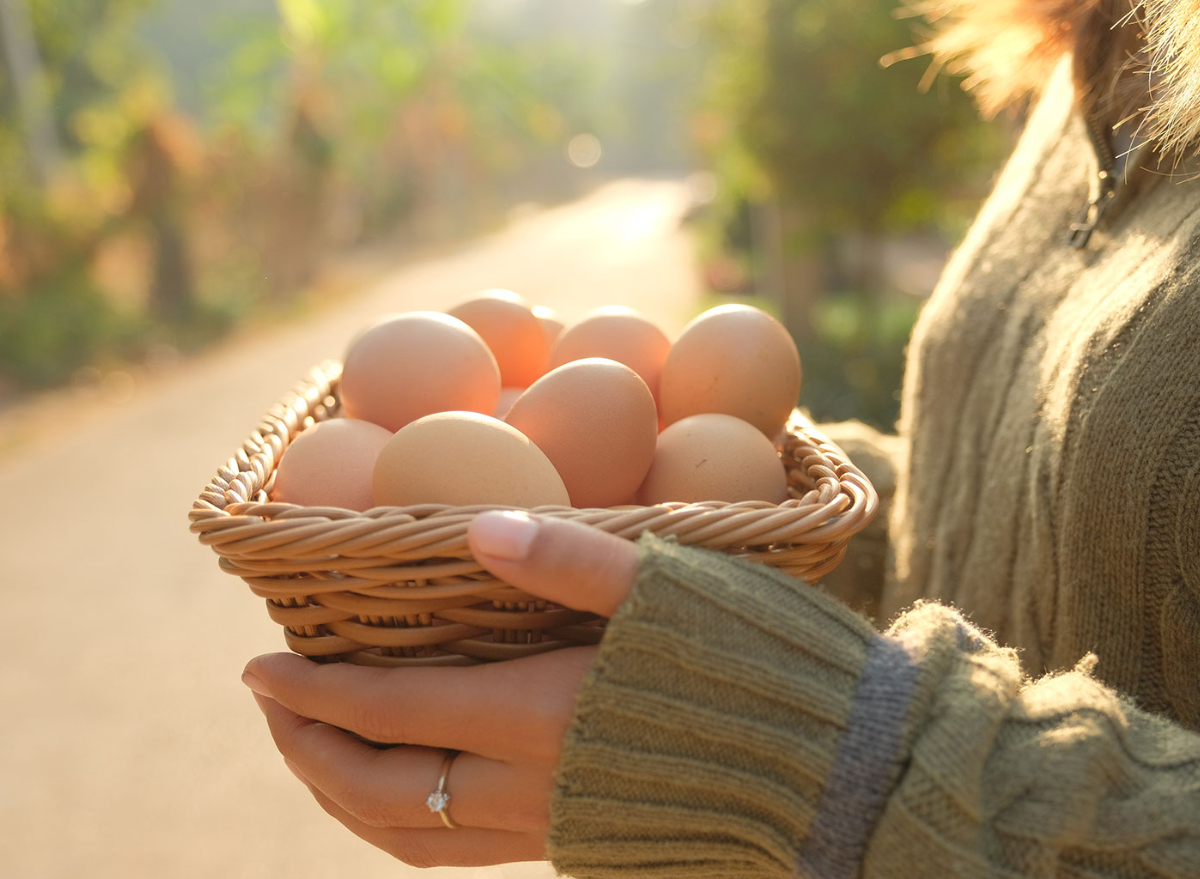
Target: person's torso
1052,404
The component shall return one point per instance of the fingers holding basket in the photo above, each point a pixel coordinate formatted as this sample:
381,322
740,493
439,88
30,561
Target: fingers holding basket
389,789
515,711
566,562
506,719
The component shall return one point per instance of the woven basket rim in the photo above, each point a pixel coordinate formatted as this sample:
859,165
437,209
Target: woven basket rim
398,585
235,516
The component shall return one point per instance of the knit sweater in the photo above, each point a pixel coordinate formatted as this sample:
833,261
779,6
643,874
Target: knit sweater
738,723
1052,414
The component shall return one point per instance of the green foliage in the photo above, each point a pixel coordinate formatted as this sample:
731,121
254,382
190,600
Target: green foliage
123,221
53,317
862,147
420,115
53,330
854,360
95,84
87,51
366,63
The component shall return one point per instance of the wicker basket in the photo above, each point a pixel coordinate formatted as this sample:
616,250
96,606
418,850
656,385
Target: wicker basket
397,585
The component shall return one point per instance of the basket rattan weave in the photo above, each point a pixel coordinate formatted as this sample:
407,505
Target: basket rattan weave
397,585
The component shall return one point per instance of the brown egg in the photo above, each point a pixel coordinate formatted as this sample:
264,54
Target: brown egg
331,465
714,457
410,365
551,325
463,458
733,359
511,331
596,422
619,334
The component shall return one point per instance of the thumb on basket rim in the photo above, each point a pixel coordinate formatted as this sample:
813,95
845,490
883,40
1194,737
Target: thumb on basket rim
566,562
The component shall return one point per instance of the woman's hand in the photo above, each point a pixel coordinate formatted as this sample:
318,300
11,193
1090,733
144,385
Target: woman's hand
507,719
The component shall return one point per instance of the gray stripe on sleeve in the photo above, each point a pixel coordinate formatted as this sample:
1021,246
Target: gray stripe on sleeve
857,786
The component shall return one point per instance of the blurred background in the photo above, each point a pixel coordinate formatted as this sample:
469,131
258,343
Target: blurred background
170,171
200,200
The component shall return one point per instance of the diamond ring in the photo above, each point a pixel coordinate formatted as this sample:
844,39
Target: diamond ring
439,801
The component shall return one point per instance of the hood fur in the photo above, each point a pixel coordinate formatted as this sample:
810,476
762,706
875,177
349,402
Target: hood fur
1134,59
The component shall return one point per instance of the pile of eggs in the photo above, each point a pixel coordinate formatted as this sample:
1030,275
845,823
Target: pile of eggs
496,402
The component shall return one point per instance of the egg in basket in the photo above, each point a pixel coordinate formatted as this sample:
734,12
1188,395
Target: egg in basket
347,508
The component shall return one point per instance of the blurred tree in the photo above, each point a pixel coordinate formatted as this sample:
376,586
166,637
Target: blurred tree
84,109
67,65
74,53
843,151
25,97
420,111
157,166
835,155
334,123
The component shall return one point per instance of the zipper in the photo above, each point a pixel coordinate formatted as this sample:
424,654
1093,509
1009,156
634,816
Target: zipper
1081,230
1104,187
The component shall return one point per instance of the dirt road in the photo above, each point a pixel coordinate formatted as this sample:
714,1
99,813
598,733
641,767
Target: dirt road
128,747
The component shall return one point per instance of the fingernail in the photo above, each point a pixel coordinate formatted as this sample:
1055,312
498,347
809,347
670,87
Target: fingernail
256,684
504,535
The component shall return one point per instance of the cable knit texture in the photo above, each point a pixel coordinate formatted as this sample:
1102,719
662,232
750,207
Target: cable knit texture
828,751
673,762
1052,416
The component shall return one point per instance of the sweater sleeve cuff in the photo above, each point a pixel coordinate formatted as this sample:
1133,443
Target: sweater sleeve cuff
736,722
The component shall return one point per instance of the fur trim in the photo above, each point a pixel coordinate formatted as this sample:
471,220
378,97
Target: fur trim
1174,68
1007,49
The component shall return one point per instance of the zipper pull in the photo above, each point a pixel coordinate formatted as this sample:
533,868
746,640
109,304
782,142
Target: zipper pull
1082,229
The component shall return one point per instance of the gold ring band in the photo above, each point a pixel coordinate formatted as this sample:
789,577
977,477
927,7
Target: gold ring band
439,801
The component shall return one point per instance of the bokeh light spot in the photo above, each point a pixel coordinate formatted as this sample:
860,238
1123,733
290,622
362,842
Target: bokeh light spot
584,150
